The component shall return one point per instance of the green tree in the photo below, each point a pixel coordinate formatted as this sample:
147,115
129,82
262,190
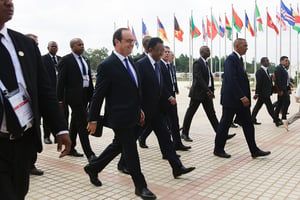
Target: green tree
95,56
182,63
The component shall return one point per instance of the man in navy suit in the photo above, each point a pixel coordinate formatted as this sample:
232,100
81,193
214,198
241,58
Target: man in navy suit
21,64
263,91
118,82
75,88
154,101
235,99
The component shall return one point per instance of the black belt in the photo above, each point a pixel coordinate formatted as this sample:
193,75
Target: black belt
4,135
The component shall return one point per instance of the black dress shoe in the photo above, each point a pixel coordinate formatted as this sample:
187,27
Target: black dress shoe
182,170
37,172
182,147
278,123
75,153
233,125
145,193
230,136
91,158
260,153
123,169
222,155
47,141
165,157
256,123
93,176
142,144
186,138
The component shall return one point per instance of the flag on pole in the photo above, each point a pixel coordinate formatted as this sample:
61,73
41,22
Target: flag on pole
203,30
248,25
144,29
134,38
194,30
281,22
296,27
287,14
258,19
178,33
211,29
161,31
221,28
271,24
236,20
228,28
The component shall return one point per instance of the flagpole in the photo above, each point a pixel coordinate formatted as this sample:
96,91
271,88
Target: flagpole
290,47
211,35
255,34
225,36
280,39
191,51
245,61
267,34
298,50
220,53
174,38
157,26
231,28
277,38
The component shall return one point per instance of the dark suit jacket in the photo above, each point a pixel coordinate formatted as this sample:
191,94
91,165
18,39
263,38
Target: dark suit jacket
281,78
122,96
43,98
168,85
70,82
174,77
263,83
235,83
139,57
200,87
51,68
154,95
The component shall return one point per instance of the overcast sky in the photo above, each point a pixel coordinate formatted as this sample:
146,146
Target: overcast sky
94,21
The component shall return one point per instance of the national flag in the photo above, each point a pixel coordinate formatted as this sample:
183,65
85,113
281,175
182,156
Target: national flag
228,28
203,30
271,24
258,19
248,25
296,27
144,29
221,28
134,38
178,33
161,31
194,30
282,23
211,30
215,25
287,14
236,20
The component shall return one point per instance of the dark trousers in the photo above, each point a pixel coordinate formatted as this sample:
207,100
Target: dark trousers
145,132
258,105
78,125
125,142
173,125
15,160
208,106
244,116
283,104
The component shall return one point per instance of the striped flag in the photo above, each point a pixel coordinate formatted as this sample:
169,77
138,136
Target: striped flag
161,31
271,24
221,28
282,23
228,28
236,20
248,25
134,38
144,29
258,19
287,14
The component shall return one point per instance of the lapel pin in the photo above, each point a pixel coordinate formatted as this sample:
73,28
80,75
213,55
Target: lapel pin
21,53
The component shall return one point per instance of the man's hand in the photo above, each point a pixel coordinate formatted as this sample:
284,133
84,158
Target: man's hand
63,139
172,100
245,101
210,95
255,96
280,93
142,119
91,127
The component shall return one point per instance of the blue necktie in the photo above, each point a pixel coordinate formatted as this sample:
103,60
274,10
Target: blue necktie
130,71
157,72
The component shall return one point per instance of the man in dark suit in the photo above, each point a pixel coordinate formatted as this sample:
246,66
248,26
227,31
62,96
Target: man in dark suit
282,82
235,99
155,97
145,42
118,82
75,88
263,91
202,91
21,65
50,61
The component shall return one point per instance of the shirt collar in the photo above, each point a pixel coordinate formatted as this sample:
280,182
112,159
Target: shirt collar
237,54
151,59
121,57
203,59
164,62
4,32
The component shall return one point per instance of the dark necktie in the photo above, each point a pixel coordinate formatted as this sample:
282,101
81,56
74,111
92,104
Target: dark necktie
170,72
268,74
9,79
82,65
54,60
208,70
157,72
130,71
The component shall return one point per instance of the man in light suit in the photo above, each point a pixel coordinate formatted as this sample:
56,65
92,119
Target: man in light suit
118,82
263,91
75,88
21,64
50,61
235,99
202,91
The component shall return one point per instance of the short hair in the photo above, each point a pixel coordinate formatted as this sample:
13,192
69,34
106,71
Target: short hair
283,57
73,41
154,41
203,48
262,60
237,41
146,40
118,35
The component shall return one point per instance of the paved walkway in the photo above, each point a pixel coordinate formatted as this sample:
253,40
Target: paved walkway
240,177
